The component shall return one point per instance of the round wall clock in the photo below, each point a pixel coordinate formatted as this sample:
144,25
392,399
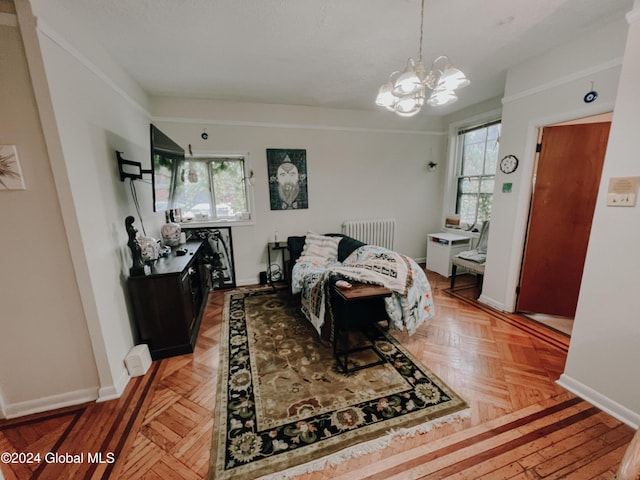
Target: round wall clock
509,164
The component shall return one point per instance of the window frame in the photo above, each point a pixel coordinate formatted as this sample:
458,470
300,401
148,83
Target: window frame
454,163
248,181
481,177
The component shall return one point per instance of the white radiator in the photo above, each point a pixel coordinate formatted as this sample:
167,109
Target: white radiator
380,232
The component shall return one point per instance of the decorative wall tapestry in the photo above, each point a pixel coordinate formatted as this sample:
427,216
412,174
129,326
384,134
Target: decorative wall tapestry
287,170
10,172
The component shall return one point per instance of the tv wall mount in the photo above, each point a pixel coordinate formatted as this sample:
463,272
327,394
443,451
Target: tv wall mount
130,169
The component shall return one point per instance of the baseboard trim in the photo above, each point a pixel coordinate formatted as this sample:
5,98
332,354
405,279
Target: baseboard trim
492,303
114,391
51,402
245,282
595,398
3,410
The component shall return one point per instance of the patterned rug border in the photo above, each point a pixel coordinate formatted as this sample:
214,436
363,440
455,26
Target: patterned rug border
372,437
367,447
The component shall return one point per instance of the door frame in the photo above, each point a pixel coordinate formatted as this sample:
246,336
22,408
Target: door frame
520,220
594,118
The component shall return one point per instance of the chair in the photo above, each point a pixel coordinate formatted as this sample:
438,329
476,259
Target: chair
473,260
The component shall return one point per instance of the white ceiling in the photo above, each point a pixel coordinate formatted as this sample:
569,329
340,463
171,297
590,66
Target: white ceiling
330,53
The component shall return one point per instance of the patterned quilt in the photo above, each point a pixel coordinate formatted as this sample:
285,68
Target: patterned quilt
410,305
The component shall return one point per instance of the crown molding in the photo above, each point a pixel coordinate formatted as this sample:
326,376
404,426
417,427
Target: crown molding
299,126
63,43
59,40
587,72
634,15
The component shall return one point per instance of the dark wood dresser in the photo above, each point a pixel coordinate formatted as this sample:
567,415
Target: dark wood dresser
168,303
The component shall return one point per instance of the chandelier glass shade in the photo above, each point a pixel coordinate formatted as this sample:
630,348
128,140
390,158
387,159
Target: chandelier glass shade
407,91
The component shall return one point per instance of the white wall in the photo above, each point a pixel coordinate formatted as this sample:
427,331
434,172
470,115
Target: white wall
46,358
94,110
66,321
604,351
606,334
539,92
359,165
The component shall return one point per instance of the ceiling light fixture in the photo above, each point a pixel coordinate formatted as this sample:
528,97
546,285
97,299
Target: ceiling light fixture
406,92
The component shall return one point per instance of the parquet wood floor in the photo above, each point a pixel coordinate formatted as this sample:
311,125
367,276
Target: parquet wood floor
523,426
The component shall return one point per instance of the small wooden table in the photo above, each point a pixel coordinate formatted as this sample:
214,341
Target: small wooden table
357,305
277,274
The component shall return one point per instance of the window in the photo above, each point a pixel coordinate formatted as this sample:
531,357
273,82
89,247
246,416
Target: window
477,158
210,188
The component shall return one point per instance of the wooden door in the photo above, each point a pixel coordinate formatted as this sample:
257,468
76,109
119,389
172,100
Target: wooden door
564,197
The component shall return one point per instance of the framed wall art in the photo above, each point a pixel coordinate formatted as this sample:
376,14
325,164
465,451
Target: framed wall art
10,172
287,169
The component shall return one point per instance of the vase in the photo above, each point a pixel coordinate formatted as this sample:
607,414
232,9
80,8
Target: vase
171,234
149,249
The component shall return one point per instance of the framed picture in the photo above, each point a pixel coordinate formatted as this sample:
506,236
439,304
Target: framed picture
218,254
287,169
10,172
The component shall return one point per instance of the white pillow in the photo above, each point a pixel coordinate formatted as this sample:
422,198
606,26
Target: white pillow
321,246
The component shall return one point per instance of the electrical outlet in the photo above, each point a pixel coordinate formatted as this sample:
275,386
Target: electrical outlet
621,199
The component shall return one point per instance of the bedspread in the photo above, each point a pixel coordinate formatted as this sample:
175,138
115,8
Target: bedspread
410,305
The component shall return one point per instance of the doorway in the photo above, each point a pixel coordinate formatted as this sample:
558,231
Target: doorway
566,183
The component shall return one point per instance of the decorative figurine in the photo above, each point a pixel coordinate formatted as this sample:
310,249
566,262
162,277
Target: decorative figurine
136,252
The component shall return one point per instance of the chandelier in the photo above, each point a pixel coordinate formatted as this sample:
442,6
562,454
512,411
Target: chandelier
406,91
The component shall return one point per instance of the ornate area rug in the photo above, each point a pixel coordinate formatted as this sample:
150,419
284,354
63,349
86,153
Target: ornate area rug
283,407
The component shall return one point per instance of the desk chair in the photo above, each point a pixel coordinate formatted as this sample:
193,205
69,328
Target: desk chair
473,260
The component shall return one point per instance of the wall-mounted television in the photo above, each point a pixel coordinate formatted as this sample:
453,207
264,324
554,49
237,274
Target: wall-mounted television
166,155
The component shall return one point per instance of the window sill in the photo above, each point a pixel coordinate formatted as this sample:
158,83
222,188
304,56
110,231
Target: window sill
223,222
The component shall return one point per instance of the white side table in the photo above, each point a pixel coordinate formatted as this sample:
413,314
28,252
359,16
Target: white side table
441,247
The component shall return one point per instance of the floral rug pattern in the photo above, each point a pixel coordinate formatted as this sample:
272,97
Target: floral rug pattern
282,401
